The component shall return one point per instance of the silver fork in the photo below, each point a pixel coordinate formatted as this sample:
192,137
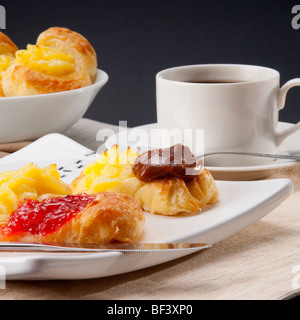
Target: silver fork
255,154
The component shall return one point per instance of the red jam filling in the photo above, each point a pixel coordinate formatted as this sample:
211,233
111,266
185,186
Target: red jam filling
45,217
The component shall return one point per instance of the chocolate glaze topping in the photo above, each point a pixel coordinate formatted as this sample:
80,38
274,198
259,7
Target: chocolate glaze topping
176,161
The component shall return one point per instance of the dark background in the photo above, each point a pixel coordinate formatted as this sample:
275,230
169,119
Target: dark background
134,39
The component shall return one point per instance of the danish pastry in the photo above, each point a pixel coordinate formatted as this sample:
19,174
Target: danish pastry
7,56
174,195
60,60
28,182
112,172
99,218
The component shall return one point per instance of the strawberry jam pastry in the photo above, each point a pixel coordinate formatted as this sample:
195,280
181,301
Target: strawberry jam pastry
81,218
44,217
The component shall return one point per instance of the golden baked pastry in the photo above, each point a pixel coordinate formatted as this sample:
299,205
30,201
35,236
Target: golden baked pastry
112,172
100,218
7,46
60,60
73,43
7,56
28,182
174,195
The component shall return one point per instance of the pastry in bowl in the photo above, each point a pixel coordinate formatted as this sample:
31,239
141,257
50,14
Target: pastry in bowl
7,56
61,60
73,43
166,190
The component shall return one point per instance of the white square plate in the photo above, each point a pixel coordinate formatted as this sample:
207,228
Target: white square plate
240,204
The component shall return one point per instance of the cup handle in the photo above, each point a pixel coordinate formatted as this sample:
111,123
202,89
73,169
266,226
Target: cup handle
281,97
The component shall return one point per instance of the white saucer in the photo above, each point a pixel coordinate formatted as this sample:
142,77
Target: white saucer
291,144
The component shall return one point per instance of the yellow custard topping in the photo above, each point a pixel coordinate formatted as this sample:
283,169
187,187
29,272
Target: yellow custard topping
108,171
28,182
49,61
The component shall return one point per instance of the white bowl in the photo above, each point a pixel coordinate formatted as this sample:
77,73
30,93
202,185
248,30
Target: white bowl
31,117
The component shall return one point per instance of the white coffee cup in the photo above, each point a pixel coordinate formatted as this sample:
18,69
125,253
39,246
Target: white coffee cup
237,106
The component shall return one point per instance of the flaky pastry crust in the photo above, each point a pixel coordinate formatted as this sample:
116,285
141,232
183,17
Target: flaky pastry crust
71,42
7,48
19,80
168,196
111,217
174,195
